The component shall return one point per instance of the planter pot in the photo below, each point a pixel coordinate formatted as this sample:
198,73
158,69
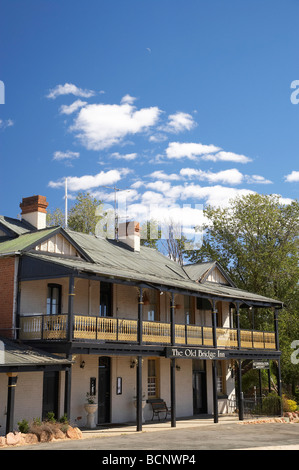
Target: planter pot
90,409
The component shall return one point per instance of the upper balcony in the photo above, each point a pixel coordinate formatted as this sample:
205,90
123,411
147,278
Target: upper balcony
117,330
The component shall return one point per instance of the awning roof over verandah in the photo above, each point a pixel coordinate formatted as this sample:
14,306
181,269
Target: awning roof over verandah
16,357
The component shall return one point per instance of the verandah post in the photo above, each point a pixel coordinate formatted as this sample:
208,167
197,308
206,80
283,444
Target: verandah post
140,309
67,390
240,395
139,393
12,383
214,323
238,324
279,387
71,306
172,366
214,363
215,397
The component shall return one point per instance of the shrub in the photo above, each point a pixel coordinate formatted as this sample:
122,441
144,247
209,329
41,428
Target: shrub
23,426
47,429
292,405
51,417
289,405
63,419
271,405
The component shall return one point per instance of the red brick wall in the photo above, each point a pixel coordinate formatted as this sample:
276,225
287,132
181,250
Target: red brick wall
7,270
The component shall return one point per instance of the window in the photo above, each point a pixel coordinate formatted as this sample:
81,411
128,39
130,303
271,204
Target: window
54,299
203,304
189,310
106,299
151,305
152,381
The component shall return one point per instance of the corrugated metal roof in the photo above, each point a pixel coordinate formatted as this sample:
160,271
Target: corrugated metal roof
15,225
158,278
114,259
197,270
24,240
13,354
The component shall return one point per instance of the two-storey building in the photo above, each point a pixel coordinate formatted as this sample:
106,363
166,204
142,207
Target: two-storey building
135,325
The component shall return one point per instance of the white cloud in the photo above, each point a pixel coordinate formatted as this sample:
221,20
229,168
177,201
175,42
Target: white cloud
189,150
127,156
68,155
160,175
123,197
232,176
69,89
6,123
285,200
127,99
292,177
213,195
227,157
99,126
87,182
69,109
179,122
257,179
137,184
157,138
161,186
152,198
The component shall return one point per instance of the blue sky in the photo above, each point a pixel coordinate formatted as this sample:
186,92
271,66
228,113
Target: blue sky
175,102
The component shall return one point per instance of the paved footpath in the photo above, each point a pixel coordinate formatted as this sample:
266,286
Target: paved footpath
197,435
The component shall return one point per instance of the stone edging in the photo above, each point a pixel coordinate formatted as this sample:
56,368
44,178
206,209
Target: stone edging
20,439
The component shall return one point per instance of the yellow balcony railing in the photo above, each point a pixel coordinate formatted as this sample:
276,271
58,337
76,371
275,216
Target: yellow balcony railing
156,332
55,327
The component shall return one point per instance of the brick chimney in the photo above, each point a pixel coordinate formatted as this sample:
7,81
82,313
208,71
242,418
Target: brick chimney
34,211
129,233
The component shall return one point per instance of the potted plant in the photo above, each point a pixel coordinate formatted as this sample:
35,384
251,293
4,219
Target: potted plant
90,407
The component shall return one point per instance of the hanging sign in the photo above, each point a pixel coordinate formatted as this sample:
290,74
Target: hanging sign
260,365
196,353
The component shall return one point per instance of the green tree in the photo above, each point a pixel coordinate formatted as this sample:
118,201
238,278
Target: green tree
55,217
150,233
256,239
83,216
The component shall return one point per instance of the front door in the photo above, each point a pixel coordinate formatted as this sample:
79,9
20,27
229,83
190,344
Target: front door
199,387
50,394
104,390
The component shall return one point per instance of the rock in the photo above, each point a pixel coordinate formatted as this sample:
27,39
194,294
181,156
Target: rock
58,434
31,438
73,433
46,436
13,439
79,432
2,441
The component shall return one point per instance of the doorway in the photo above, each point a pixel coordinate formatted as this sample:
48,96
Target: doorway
50,394
104,390
106,299
199,387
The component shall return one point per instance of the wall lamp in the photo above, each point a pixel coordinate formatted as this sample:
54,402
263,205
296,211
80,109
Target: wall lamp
82,364
134,362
